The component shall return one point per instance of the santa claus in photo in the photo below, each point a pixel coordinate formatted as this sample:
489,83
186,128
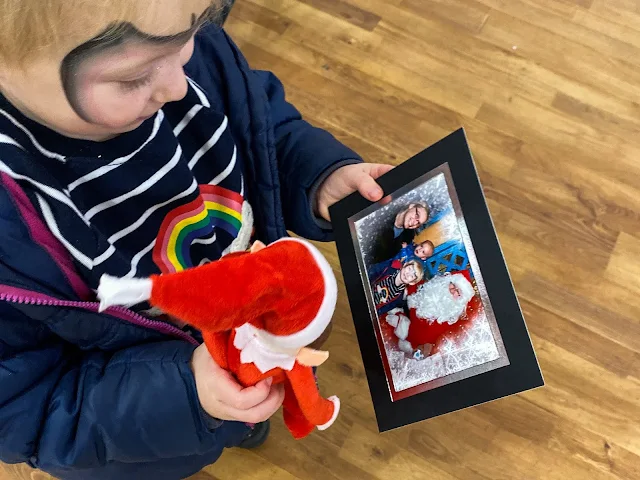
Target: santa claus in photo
441,307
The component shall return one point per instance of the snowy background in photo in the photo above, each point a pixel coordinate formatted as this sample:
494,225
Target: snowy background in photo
476,347
433,192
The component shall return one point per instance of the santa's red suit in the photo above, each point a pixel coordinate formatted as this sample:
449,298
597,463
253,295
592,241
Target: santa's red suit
418,329
277,300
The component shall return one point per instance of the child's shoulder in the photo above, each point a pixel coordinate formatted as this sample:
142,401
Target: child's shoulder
214,49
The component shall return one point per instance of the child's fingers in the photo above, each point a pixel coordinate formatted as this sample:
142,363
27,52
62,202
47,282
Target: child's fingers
266,409
367,185
245,398
379,169
369,188
260,412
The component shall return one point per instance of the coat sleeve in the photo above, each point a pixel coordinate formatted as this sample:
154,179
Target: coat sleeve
63,407
306,156
377,269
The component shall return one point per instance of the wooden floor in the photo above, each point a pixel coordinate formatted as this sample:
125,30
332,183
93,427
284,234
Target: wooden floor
549,94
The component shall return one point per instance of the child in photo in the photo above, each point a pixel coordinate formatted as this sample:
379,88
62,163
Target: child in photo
406,224
421,251
389,287
136,140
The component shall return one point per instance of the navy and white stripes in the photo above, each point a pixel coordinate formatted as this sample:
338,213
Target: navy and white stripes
106,201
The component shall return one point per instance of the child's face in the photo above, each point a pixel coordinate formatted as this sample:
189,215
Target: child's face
120,89
409,275
423,251
101,88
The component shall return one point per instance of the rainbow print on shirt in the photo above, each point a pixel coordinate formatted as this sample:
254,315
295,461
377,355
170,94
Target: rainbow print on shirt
215,208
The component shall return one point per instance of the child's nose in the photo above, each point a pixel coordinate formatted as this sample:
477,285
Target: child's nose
172,86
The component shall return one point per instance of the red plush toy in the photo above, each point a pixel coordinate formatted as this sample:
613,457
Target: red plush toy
258,312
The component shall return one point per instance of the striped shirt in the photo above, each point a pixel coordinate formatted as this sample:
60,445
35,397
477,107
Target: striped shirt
386,291
164,197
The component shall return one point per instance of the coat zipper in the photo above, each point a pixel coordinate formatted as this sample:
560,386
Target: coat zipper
26,297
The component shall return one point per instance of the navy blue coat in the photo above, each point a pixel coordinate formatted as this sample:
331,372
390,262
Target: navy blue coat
111,396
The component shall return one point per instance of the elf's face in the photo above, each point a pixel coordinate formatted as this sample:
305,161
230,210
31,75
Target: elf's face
116,79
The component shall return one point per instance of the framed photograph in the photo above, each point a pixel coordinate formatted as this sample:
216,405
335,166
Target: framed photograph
437,318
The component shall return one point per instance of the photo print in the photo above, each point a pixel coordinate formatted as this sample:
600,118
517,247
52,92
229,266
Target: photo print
428,303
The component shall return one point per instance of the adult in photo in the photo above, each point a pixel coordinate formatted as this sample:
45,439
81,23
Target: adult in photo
406,224
441,307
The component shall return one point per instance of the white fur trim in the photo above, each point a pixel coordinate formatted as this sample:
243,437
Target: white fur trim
464,285
392,320
311,332
254,350
405,346
336,408
242,241
402,330
125,292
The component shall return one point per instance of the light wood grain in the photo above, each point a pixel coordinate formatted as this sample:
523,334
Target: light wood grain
547,91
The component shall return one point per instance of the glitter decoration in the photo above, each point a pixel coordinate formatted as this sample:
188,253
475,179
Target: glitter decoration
475,347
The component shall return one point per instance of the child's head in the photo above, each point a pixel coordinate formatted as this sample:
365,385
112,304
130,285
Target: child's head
411,272
424,250
97,68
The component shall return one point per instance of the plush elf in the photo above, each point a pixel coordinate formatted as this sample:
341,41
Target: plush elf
278,300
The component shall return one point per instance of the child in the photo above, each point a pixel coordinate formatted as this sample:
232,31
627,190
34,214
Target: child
422,251
389,287
136,140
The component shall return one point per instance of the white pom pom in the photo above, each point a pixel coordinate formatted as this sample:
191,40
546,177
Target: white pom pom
336,408
405,346
392,320
125,292
402,330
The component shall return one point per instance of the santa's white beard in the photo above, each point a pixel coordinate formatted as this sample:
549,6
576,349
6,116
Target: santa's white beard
433,301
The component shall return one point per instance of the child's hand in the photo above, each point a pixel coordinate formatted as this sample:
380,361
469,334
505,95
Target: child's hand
346,180
222,397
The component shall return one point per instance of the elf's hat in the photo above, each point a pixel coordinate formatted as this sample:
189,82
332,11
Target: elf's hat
286,290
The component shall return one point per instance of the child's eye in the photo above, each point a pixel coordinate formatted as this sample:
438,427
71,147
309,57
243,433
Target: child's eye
129,85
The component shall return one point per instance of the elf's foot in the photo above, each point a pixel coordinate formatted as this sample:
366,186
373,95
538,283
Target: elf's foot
257,436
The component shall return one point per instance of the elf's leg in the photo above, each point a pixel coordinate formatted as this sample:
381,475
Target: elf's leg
294,419
317,410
